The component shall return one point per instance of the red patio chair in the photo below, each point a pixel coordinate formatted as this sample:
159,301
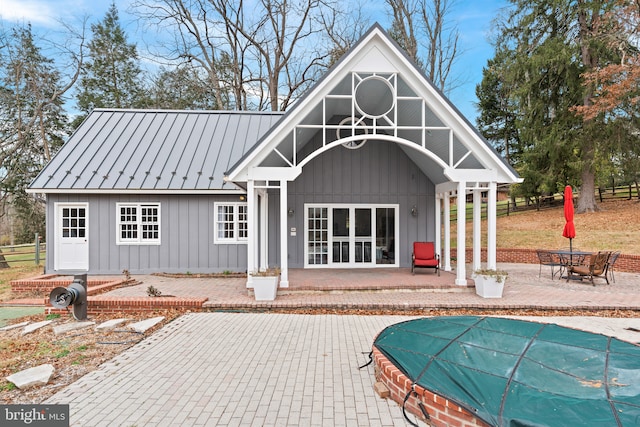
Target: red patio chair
424,256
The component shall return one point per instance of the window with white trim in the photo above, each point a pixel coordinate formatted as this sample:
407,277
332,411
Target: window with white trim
138,223
231,223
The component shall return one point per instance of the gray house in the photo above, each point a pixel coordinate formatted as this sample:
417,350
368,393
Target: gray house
362,166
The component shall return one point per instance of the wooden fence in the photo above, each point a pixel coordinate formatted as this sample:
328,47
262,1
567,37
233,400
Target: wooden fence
508,207
23,254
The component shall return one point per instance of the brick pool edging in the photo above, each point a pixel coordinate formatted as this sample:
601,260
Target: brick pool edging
442,412
103,304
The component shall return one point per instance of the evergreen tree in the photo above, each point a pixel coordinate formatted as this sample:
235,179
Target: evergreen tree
33,123
111,76
497,118
552,43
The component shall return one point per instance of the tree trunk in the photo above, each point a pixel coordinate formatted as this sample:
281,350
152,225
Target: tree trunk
587,198
3,262
588,21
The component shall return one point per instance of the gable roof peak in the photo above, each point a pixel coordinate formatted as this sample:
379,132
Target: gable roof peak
376,57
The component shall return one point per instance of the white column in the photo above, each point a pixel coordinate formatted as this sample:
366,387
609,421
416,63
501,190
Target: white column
447,231
477,229
251,232
264,230
438,221
491,225
461,272
255,226
284,233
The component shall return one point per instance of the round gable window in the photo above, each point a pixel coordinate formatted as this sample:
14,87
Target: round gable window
345,133
374,97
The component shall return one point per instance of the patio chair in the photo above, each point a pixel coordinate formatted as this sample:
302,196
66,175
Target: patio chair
596,267
550,259
424,256
612,260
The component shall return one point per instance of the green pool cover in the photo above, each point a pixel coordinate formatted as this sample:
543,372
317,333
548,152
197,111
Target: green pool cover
518,373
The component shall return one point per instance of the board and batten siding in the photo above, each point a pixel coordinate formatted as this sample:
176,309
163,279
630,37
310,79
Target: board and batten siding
187,236
377,173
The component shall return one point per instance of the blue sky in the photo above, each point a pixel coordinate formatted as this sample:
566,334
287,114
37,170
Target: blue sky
472,18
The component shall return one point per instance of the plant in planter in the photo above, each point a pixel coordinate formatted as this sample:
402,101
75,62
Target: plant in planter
489,282
265,284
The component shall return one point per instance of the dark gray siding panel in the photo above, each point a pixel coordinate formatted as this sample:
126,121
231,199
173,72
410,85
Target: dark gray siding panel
379,172
187,239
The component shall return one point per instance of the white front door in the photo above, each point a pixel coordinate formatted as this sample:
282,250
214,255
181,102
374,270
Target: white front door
350,235
72,236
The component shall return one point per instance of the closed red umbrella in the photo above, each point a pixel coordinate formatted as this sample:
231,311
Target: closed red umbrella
569,230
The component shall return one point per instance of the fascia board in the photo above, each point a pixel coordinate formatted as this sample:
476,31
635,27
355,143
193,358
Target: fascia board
274,173
471,175
94,191
446,187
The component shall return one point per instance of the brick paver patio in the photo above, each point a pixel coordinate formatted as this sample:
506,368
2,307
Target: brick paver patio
259,369
398,289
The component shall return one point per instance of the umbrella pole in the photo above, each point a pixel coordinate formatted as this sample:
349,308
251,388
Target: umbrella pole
571,251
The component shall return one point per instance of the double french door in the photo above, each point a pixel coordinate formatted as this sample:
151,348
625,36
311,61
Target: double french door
350,235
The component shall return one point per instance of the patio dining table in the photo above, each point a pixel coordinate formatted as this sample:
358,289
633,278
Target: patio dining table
567,257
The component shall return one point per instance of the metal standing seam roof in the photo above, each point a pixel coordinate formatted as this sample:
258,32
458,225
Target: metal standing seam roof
151,150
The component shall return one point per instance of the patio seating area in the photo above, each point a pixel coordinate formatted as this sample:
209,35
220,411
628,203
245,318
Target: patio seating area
395,290
595,266
550,259
575,264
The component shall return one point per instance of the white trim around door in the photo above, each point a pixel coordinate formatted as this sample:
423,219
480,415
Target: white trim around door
342,235
71,236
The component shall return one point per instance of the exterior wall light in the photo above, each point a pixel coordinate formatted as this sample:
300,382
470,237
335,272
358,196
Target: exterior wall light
414,211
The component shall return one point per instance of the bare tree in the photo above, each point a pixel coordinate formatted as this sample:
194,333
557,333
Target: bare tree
263,57
415,20
442,40
344,29
195,36
403,25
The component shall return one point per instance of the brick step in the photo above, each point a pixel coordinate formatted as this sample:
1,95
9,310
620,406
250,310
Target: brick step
45,284
105,304
375,289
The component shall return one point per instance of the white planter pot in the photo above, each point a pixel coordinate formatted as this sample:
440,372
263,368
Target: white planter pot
488,286
265,288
